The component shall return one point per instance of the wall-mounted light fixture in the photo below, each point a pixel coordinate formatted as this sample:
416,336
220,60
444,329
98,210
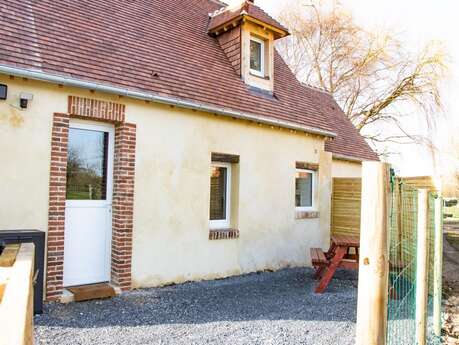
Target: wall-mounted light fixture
24,99
3,91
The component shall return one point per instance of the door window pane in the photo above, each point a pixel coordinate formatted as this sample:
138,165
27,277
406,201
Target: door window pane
87,165
255,55
218,197
303,189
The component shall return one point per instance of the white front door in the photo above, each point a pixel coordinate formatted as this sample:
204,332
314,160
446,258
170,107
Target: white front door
88,218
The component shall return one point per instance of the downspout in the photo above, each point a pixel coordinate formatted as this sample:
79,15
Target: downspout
46,77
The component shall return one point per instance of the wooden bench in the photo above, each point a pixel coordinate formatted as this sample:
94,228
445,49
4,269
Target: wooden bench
338,256
318,257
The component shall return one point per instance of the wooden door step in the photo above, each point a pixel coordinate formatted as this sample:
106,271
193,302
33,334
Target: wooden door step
93,291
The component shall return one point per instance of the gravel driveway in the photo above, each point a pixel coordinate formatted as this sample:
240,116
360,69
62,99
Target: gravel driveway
265,308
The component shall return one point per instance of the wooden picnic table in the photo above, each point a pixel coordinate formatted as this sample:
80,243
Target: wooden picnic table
338,256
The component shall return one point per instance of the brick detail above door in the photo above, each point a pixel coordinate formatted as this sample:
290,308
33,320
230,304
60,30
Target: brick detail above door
96,109
123,191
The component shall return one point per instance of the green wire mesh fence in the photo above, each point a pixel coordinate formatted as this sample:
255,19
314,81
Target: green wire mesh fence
401,308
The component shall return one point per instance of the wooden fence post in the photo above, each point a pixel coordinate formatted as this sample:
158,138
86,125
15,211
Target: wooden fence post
374,256
438,265
422,250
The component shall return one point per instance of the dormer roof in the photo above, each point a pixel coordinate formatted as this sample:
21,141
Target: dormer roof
228,17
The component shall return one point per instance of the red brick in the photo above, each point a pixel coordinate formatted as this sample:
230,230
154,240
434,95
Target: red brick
123,202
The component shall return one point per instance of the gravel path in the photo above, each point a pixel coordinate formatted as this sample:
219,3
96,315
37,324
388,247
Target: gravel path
265,308
451,284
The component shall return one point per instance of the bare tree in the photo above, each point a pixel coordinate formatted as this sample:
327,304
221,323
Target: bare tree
371,75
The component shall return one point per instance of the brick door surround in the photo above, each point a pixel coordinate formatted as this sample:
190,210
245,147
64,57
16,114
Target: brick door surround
123,191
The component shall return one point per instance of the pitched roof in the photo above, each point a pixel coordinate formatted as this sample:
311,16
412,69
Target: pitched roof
226,15
348,142
158,47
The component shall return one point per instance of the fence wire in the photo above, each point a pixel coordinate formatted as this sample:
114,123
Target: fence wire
401,308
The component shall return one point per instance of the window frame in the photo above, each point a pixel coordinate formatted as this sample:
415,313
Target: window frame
313,206
222,223
100,127
262,43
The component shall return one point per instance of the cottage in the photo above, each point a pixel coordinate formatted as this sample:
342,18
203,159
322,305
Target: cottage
163,141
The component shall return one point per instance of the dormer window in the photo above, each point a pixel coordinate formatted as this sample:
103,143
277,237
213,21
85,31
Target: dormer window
246,34
257,57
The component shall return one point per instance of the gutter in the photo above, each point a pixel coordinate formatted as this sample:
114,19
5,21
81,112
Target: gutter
350,158
347,158
68,81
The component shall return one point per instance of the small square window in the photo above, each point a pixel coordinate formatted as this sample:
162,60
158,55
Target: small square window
220,195
305,190
3,91
257,57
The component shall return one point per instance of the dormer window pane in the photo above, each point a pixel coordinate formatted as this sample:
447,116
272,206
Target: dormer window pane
257,56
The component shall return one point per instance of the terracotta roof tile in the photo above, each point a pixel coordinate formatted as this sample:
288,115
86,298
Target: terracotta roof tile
348,142
156,46
257,13
223,16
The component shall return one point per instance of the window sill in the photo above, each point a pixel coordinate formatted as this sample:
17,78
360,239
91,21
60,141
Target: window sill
306,214
258,76
223,234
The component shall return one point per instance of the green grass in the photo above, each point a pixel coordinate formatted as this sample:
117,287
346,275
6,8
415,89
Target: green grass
77,195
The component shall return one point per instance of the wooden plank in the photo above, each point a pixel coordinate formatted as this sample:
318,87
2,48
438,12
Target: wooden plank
331,269
16,312
374,256
307,166
93,291
422,253
346,240
318,256
9,254
346,198
438,266
420,182
224,157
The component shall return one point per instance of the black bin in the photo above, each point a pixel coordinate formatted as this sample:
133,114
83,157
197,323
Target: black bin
36,237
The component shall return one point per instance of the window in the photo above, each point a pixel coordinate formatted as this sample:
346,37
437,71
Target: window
87,165
257,57
305,190
220,198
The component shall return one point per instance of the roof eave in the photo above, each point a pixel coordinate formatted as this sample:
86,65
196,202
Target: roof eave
243,17
61,80
279,32
350,158
232,23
